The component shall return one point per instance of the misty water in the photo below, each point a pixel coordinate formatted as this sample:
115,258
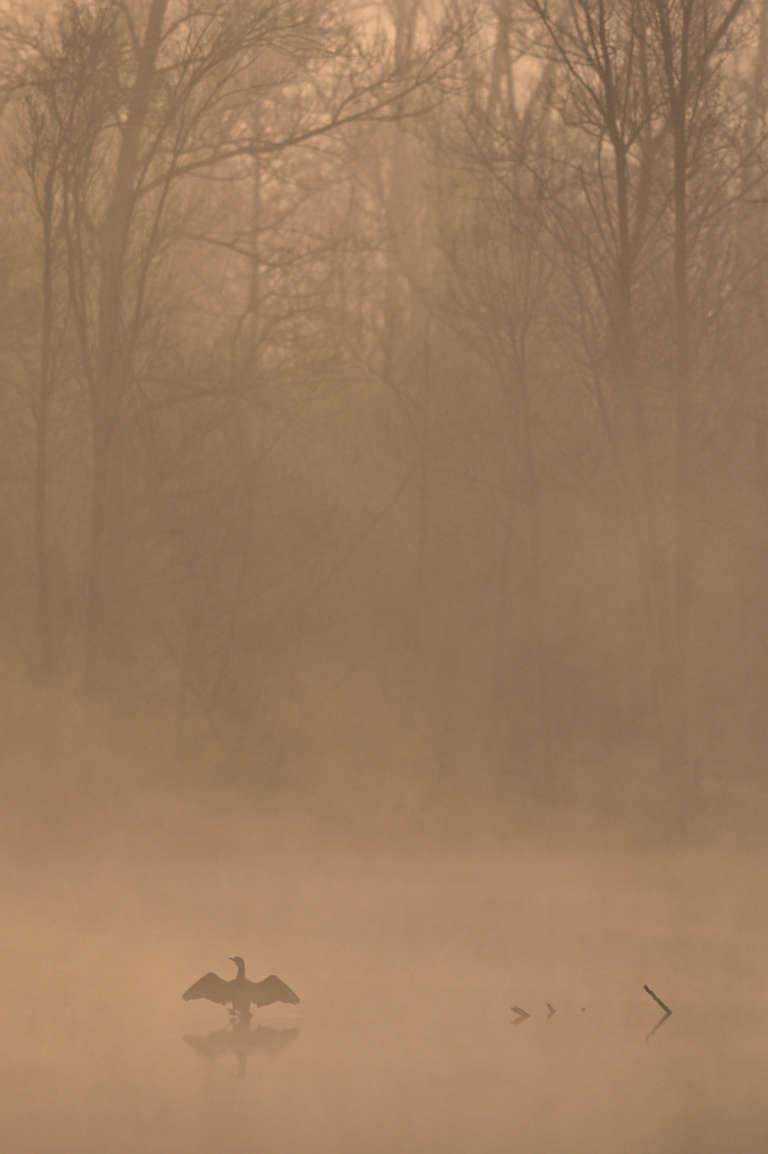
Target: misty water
384,559
407,964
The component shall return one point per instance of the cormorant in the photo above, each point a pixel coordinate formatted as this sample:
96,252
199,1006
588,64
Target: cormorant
239,993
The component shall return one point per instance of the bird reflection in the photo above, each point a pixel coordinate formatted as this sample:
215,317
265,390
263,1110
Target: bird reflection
239,1039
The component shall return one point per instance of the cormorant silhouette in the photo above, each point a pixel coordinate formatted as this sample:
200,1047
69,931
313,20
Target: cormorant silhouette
239,993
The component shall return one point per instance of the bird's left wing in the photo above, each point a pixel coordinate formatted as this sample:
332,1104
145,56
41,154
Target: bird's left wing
272,989
210,986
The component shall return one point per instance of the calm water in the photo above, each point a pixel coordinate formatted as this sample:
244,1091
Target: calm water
407,968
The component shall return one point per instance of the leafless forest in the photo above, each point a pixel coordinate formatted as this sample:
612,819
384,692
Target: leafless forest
384,400
385,570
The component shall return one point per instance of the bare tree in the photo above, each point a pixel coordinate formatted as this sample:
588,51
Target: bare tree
689,44
500,267
170,104
640,85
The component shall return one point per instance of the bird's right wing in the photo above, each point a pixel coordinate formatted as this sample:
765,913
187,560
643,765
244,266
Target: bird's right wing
210,1045
210,986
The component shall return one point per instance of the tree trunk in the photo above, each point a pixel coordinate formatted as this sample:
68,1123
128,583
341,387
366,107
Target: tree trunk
676,62
534,667
680,703
45,655
104,639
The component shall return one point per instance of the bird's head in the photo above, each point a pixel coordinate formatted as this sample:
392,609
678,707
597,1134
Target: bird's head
238,962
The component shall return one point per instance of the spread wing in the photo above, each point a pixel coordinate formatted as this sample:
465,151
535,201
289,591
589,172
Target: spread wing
210,1045
210,986
272,989
271,1042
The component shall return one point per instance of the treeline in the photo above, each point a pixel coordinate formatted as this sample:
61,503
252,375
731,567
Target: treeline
384,394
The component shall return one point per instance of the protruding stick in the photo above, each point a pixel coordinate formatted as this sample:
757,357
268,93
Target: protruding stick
656,998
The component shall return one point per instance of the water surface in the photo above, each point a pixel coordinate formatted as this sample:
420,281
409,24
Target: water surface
407,966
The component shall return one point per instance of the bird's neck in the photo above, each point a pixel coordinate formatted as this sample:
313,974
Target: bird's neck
240,969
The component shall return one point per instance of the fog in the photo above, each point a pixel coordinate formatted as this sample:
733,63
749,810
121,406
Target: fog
407,963
383,474
408,955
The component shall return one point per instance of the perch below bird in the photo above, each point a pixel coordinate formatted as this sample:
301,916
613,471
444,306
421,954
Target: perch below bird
239,993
